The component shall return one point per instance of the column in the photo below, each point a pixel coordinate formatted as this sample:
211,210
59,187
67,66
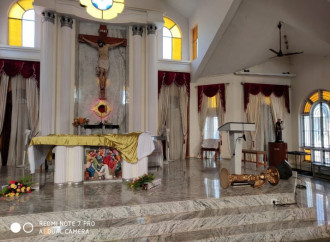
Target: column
137,79
47,73
152,80
66,72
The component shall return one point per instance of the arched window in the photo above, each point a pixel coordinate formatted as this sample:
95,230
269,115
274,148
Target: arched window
21,24
315,125
171,40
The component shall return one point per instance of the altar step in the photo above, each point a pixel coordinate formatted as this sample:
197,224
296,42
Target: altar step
246,223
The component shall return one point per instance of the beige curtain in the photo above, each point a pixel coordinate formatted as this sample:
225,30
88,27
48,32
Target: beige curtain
184,112
173,122
32,99
19,121
252,113
219,110
203,114
163,102
3,98
278,107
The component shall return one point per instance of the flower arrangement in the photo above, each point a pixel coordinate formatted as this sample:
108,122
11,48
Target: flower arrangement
141,181
16,187
80,121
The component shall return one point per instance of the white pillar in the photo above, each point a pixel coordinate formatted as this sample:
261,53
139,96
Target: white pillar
137,79
65,81
152,84
47,74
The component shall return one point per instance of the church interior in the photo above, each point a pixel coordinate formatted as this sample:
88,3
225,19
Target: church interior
163,120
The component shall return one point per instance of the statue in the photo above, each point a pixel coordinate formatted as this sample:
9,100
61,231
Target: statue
278,131
102,43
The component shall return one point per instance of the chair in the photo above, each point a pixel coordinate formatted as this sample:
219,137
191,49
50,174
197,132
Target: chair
210,145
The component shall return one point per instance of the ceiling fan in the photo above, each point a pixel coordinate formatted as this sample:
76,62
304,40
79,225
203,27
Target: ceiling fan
280,53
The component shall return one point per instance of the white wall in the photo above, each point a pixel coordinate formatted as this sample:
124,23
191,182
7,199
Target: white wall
313,73
4,9
234,101
209,18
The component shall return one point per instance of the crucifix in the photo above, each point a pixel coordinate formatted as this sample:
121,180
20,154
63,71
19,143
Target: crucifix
102,43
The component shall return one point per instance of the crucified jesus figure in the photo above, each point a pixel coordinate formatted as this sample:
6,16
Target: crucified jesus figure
103,61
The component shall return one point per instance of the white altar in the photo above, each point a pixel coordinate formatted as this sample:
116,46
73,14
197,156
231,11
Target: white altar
69,159
236,134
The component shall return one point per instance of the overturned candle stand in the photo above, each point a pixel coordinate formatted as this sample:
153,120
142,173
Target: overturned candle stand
271,175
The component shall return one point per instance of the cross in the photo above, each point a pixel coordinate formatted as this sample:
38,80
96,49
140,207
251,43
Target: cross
103,44
103,35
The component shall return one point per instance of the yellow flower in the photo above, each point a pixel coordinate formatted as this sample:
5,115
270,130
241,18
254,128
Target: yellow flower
18,190
17,194
28,189
13,186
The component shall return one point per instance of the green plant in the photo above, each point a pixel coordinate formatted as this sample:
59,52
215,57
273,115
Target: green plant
140,181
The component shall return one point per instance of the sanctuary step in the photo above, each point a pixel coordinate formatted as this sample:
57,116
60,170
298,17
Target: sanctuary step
231,219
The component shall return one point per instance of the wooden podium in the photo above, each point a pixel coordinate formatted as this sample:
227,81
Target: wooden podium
236,133
277,153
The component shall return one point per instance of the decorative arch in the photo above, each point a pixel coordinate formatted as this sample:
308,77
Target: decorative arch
21,24
172,40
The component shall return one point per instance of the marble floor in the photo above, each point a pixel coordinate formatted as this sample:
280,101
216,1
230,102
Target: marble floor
181,180
189,179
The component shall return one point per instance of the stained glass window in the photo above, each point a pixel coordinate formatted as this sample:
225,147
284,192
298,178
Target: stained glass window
315,127
194,42
171,40
21,24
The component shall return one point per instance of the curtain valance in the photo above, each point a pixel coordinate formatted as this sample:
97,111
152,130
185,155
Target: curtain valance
211,91
266,90
179,78
26,68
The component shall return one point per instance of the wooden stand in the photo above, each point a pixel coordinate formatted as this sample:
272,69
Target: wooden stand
277,153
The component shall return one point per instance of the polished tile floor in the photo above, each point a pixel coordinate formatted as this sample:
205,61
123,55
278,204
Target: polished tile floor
181,180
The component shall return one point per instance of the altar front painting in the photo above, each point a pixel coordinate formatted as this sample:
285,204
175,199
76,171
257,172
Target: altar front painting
102,163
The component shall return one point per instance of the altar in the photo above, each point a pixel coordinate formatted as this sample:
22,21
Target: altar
69,153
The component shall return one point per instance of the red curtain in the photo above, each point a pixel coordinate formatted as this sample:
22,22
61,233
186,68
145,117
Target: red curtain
179,78
266,90
26,68
211,91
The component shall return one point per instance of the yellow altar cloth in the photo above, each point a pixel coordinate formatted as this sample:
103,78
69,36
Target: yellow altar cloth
126,144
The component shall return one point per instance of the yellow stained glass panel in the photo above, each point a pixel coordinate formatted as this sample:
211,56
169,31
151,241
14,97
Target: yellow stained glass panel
176,51
212,102
16,11
15,32
195,33
113,11
26,4
94,12
168,23
315,97
326,95
176,33
307,107
307,157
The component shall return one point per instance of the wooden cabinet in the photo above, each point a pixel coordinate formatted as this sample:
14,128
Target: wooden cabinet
277,153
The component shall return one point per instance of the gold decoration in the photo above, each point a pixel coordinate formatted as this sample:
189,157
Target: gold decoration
126,144
101,108
271,175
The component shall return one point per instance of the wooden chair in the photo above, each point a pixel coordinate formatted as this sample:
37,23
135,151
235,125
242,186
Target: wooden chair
211,145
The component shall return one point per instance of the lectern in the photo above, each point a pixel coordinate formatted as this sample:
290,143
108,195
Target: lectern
236,134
